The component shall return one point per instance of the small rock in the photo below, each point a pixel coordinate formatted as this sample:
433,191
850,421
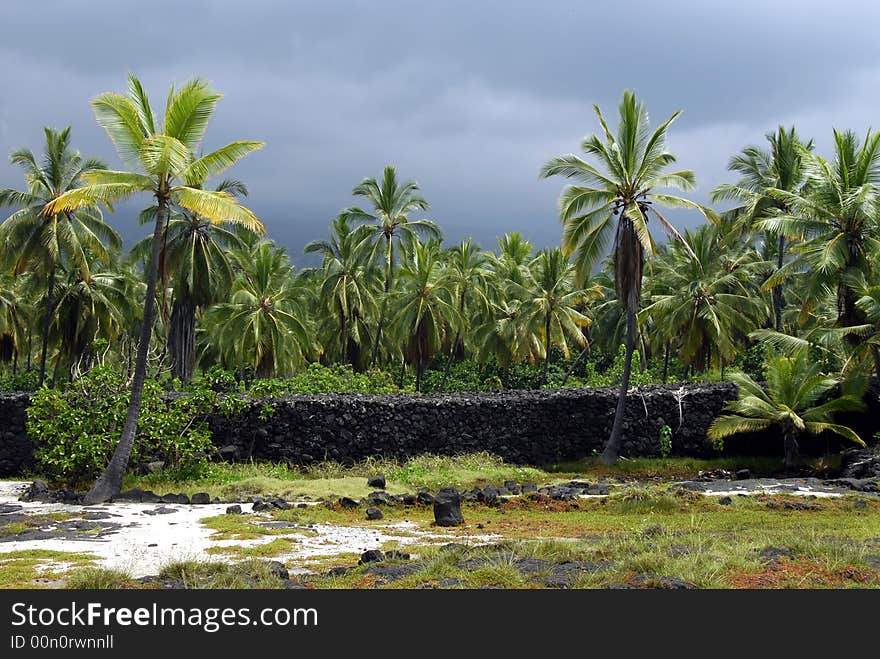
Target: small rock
201,498
280,503
743,475
372,556
447,507
377,481
395,555
161,510
134,494
9,508
148,496
528,488
425,498
277,568
374,513
725,501
512,487
233,510
182,498
775,554
349,503
408,499
262,506
153,467
860,504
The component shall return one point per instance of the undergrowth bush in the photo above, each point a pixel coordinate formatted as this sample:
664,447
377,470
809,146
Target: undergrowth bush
76,430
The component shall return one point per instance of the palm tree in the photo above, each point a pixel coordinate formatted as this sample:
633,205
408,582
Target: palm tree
468,274
45,235
703,298
195,254
634,162
836,213
347,288
90,307
423,306
393,202
795,386
780,167
162,150
263,324
555,304
14,313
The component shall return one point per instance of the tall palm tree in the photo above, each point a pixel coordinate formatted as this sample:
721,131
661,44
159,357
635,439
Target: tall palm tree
704,299
14,314
263,325
393,202
162,151
555,304
468,274
634,163
779,167
795,385
423,306
347,287
44,235
836,214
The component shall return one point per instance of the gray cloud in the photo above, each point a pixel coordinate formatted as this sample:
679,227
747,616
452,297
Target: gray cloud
469,98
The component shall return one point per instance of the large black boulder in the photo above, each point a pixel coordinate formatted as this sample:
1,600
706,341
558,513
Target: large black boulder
447,507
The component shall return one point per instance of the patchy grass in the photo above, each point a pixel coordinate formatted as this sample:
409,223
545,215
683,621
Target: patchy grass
207,574
38,568
96,578
248,527
272,548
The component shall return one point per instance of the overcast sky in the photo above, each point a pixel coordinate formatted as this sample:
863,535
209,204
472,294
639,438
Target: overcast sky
469,98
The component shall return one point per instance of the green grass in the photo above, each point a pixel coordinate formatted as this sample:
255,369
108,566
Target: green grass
675,468
35,568
330,479
247,527
95,578
272,548
208,574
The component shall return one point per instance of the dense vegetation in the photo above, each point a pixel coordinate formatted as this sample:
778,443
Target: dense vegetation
789,268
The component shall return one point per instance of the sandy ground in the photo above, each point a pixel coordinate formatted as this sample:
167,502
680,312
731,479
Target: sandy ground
145,543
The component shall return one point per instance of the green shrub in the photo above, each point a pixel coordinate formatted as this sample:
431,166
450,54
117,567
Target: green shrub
665,441
76,430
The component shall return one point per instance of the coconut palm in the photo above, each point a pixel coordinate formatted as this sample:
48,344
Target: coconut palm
555,305
347,290
14,314
703,299
779,167
195,257
468,274
263,325
423,306
836,214
791,404
162,150
44,236
393,202
634,163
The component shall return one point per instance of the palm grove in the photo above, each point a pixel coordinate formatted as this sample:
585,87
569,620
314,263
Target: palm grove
779,285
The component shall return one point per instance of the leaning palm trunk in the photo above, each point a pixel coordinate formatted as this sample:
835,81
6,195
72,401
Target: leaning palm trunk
182,337
546,348
47,320
109,484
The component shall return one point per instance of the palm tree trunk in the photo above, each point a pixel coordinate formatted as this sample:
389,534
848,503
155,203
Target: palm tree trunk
792,450
182,337
449,361
777,290
546,347
665,362
109,483
46,322
343,323
389,263
30,349
612,448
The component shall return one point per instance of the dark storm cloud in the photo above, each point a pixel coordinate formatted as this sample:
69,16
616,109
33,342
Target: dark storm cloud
469,98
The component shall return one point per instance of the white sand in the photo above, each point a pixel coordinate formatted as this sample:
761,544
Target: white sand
145,543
